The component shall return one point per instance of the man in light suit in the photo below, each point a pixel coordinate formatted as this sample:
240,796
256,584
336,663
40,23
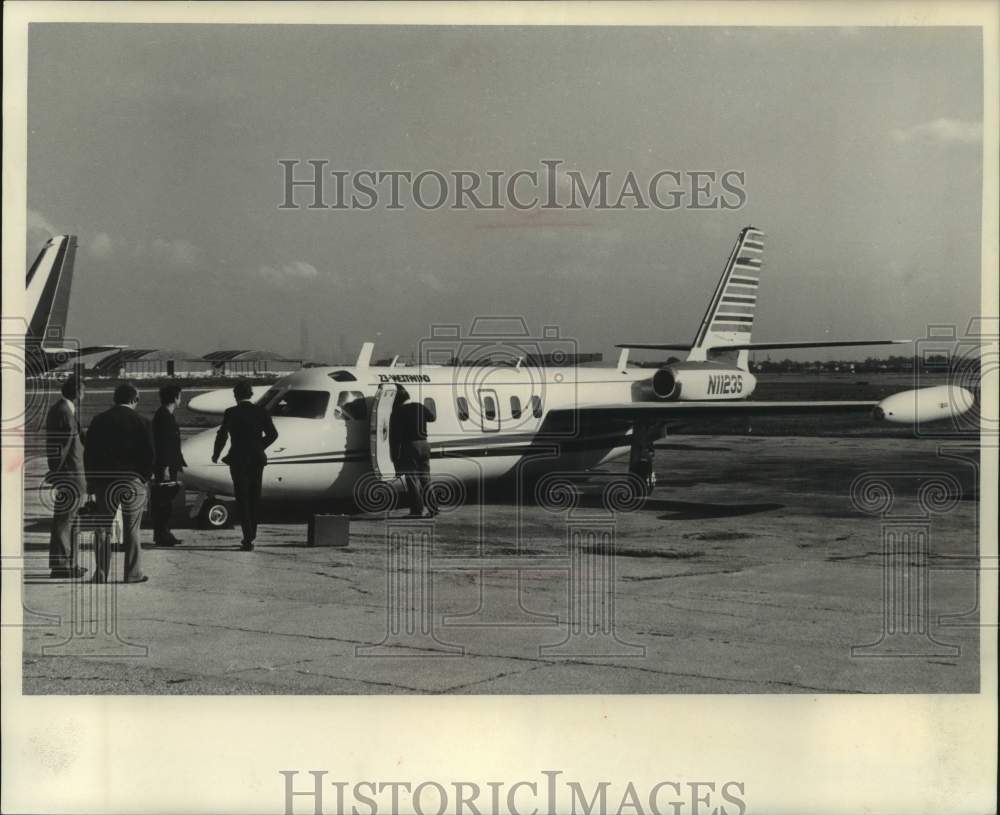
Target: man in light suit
119,461
250,430
64,443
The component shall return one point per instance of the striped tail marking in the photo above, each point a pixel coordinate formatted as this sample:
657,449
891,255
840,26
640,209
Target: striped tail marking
732,311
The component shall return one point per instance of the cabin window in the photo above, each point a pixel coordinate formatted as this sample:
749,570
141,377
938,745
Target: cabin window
463,408
300,404
342,376
352,404
489,408
431,407
536,406
515,407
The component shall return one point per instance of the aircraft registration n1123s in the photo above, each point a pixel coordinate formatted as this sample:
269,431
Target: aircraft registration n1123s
490,421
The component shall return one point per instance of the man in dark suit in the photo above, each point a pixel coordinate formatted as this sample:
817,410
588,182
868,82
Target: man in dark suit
250,431
64,443
168,465
119,461
410,451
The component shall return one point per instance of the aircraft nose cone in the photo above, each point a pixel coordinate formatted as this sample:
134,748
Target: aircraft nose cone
200,473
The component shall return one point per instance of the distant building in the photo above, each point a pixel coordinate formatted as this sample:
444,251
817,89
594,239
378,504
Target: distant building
139,363
251,363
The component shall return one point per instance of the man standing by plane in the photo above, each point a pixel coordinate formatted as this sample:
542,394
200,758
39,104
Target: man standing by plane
411,453
169,463
251,431
64,442
119,461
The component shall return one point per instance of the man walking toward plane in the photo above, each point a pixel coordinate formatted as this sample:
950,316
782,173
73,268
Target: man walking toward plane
250,431
119,461
168,465
64,443
411,453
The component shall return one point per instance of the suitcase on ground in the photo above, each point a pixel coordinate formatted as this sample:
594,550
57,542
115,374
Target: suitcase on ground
329,530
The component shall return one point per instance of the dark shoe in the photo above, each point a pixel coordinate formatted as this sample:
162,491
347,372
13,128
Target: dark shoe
99,578
246,546
171,541
71,573
142,579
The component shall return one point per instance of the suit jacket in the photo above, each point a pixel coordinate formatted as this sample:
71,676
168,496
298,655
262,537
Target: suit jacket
407,425
250,431
119,441
167,441
64,442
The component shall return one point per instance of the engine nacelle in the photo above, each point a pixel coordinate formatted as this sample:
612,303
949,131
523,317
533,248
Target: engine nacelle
925,405
701,382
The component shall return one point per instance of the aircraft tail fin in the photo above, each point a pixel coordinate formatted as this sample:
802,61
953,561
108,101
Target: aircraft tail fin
724,331
48,286
729,317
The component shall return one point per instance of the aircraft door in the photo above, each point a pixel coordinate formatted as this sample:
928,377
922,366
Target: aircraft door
489,410
381,415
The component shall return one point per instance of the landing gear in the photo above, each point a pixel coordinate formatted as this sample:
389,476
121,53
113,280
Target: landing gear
641,456
216,513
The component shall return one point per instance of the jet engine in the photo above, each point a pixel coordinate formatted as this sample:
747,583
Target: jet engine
699,381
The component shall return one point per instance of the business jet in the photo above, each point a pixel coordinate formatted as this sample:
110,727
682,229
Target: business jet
490,421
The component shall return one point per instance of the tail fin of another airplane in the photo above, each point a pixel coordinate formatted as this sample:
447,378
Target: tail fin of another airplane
49,280
729,318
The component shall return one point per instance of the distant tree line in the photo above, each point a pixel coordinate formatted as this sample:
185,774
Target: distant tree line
895,364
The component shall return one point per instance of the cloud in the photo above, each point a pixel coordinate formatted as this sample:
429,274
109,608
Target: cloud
39,230
100,246
38,223
177,252
431,281
297,272
940,131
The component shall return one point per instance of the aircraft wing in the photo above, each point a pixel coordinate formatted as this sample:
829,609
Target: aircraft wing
665,411
216,401
77,351
907,407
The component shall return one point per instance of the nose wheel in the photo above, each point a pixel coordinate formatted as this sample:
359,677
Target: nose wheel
216,513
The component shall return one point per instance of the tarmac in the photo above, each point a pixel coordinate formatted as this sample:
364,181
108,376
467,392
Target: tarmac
749,570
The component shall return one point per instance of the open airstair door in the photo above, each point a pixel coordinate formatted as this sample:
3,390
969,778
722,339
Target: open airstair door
381,415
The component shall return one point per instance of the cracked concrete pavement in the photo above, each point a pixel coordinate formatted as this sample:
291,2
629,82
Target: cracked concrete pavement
748,571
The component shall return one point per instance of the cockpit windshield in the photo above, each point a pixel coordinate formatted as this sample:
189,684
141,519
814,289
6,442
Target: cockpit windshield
268,397
299,404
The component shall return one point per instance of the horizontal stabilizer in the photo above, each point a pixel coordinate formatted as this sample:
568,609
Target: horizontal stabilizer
759,346
655,346
775,346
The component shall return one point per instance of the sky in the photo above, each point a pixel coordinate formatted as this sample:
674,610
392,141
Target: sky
159,146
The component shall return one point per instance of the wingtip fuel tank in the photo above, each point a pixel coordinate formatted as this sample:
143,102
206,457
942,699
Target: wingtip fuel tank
925,405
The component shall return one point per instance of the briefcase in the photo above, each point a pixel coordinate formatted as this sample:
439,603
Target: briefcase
329,530
165,491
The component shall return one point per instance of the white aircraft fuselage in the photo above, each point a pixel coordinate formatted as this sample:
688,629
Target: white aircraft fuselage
491,420
488,422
